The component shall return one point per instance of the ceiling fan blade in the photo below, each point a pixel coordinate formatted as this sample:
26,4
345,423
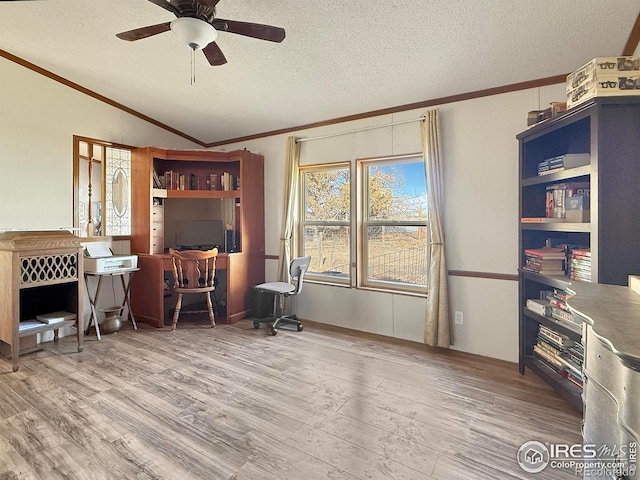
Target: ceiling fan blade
209,3
166,5
144,32
255,30
214,54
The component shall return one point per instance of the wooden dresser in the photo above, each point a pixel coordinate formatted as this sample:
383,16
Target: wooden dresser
41,273
611,371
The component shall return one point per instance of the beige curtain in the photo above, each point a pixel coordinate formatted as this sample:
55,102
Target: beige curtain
291,168
437,332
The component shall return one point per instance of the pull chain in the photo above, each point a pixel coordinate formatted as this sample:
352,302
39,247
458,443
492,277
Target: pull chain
193,66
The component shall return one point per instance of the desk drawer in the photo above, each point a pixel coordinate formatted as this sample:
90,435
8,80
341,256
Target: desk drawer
157,213
157,245
157,229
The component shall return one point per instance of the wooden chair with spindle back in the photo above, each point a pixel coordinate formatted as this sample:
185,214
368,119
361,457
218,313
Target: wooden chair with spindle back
193,273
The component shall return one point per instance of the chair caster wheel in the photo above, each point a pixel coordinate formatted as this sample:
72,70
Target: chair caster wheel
300,328
274,331
256,325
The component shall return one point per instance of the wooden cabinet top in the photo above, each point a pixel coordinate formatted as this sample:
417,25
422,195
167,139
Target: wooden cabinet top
196,155
613,311
38,240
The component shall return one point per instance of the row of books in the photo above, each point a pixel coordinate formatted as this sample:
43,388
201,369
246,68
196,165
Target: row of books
566,259
580,265
172,180
561,162
561,354
558,194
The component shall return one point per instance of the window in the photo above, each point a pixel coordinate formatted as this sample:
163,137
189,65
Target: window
393,214
325,221
391,232
102,193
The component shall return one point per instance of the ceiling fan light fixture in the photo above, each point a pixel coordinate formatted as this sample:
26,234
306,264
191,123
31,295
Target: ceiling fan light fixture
194,32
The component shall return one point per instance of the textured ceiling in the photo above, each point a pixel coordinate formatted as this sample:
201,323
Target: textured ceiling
340,57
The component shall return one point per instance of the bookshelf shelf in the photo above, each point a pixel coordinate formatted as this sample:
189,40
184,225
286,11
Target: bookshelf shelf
561,282
605,129
567,390
203,193
45,327
569,174
558,226
572,331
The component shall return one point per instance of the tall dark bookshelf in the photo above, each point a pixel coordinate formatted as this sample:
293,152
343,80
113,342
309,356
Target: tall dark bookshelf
608,129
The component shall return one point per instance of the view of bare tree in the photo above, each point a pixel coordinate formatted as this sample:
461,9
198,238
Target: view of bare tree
395,253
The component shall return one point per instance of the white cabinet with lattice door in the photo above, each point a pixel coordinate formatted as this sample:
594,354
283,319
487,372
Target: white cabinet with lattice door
41,275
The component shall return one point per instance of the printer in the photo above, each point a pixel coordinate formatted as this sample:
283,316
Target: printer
100,259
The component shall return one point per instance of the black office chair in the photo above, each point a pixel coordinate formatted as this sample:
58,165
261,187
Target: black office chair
282,290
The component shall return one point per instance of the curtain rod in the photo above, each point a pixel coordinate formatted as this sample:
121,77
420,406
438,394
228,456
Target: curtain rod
420,119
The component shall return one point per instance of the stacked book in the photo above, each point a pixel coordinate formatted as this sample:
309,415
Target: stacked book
46,318
575,356
553,304
580,265
559,310
561,354
550,165
559,163
545,260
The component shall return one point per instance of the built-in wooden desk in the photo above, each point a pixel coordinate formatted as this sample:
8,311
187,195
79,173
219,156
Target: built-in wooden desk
148,303
238,203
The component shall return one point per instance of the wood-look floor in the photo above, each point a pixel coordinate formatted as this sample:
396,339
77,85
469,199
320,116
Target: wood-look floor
236,403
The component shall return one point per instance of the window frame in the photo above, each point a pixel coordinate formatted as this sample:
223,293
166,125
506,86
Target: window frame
77,156
303,223
362,175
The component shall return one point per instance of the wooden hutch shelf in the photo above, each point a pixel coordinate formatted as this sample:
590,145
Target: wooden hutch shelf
157,211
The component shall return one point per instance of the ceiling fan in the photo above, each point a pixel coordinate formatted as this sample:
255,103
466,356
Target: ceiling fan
197,25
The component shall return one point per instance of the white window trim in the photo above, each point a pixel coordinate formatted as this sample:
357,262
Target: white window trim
362,221
357,228
302,223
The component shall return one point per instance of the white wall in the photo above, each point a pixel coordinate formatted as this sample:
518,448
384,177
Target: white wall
481,217
38,118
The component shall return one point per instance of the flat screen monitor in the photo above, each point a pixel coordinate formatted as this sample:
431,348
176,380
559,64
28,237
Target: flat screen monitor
199,234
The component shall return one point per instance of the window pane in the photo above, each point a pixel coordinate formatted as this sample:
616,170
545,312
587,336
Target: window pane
397,254
329,250
326,195
397,191
118,191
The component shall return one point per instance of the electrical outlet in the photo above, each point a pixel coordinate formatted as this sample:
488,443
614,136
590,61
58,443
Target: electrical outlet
459,318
